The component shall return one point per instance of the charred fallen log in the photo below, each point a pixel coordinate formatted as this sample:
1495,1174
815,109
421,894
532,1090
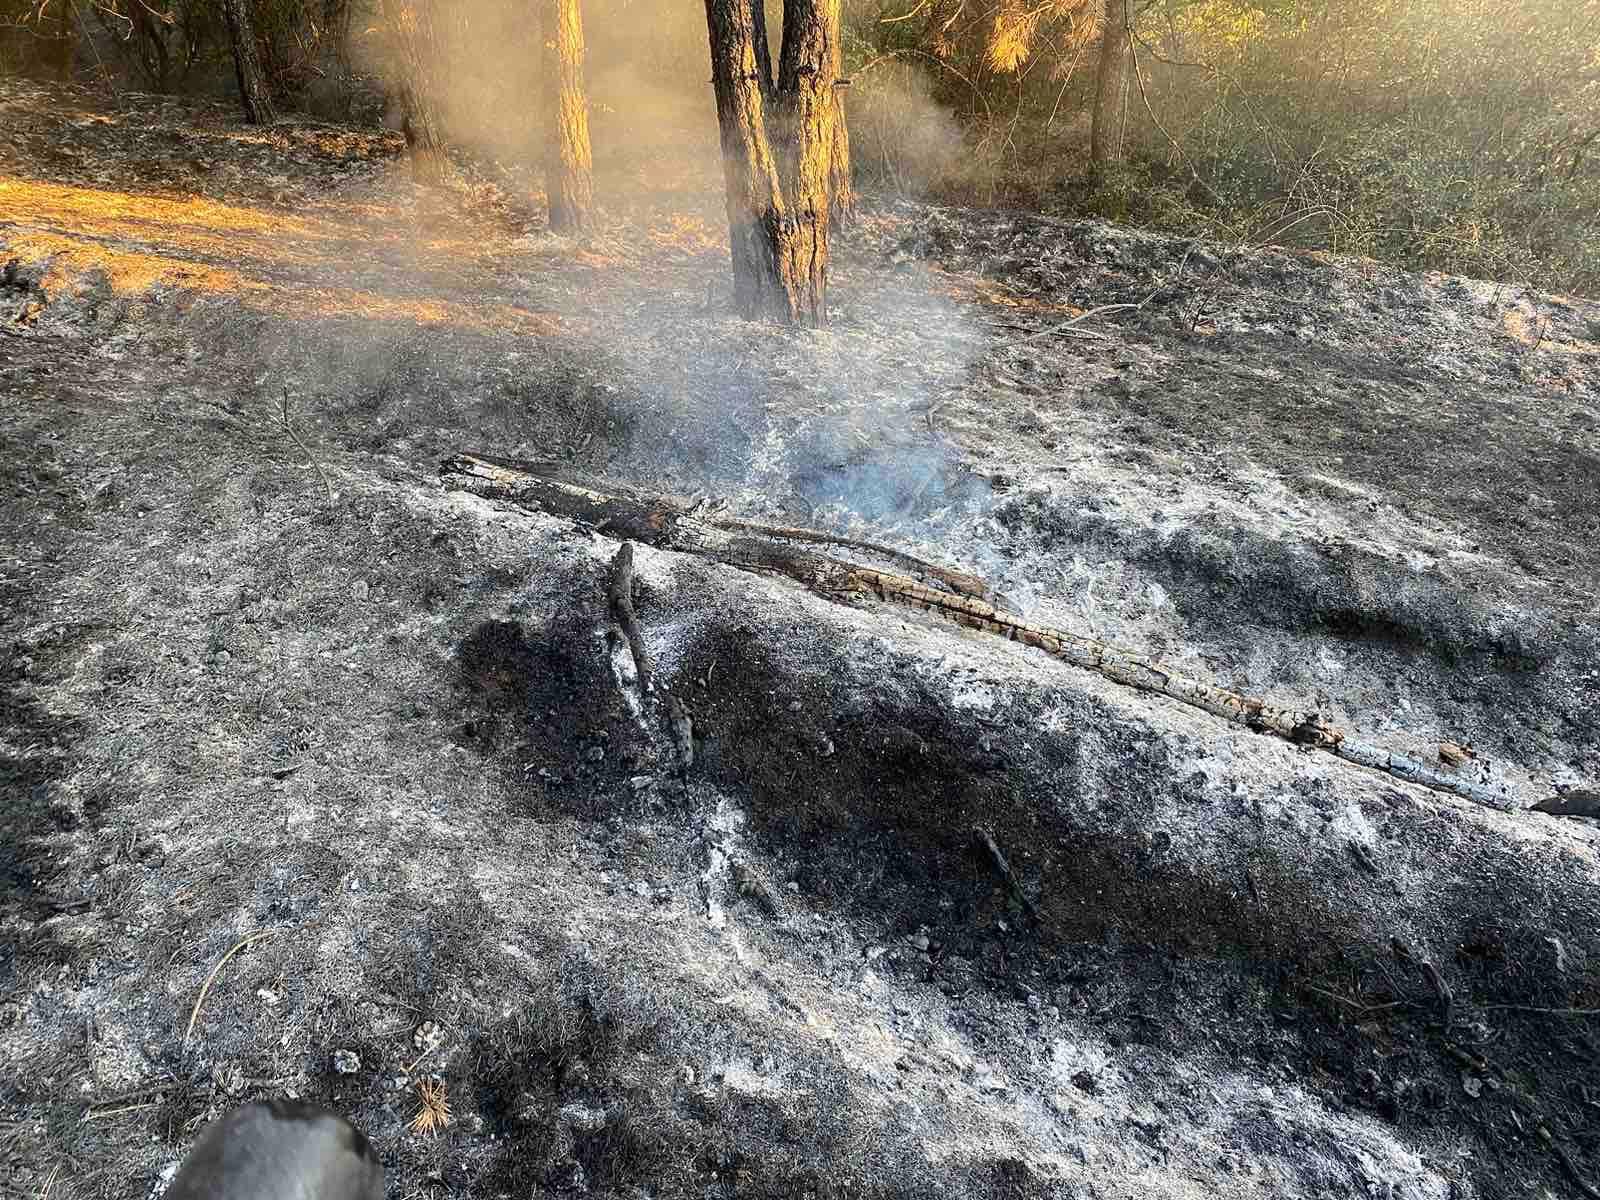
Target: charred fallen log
669,523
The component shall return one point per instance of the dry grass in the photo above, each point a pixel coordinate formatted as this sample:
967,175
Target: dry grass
433,1115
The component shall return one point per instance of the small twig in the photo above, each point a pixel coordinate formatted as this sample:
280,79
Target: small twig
136,1094
622,608
1364,856
1547,1012
1065,326
1142,302
1357,1005
426,1051
100,1113
1081,333
1561,1152
1441,990
328,487
1467,1059
211,978
1003,868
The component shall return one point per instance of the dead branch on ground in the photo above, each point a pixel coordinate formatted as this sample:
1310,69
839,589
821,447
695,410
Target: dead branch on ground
622,608
671,524
1002,867
669,710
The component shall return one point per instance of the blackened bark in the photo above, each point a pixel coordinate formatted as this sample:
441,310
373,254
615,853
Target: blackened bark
418,49
1105,143
776,153
568,160
756,213
253,90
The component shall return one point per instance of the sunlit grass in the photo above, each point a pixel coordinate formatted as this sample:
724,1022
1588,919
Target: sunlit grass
271,261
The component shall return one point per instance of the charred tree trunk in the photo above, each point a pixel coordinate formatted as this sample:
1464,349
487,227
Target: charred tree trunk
777,145
1105,143
253,90
568,160
806,99
418,50
424,145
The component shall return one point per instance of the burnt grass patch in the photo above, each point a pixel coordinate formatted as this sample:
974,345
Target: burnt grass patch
423,780
584,1089
872,786
1232,586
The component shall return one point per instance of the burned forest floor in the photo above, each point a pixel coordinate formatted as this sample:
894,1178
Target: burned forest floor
322,777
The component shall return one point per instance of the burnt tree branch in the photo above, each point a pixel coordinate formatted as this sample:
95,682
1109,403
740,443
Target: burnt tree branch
671,524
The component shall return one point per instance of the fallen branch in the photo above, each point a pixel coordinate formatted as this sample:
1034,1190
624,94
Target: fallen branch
956,581
674,717
1071,326
622,608
1003,868
671,524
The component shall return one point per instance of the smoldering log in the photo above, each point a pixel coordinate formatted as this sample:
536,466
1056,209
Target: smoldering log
670,523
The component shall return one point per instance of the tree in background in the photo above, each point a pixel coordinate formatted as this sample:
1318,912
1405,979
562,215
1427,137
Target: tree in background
154,56
336,15
415,36
568,160
253,89
777,149
1105,142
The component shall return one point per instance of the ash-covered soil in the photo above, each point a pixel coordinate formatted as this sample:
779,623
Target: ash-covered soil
267,681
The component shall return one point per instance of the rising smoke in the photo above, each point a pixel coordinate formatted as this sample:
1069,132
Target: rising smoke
832,428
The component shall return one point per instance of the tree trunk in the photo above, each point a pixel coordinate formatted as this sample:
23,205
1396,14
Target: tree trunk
568,161
418,49
776,152
152,48
336,24
57,42
841,184
764,75
253,91
807,99
424,145
1105,144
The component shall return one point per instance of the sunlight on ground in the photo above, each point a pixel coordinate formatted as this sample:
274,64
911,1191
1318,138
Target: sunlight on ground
1521,328
127,214
683,231
138,242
